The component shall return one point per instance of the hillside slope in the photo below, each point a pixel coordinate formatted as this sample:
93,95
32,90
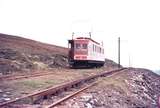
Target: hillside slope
20,54
29,46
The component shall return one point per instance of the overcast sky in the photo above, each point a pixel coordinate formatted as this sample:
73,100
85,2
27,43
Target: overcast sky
137,22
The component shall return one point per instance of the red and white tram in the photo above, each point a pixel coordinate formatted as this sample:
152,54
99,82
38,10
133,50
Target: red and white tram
85,52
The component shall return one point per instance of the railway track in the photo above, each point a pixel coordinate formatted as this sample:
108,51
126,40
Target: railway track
70,95
22,76
42,98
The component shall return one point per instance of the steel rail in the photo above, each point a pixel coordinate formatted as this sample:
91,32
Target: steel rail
15,77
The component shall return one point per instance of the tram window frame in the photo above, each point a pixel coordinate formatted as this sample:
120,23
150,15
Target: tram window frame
77,46
84,46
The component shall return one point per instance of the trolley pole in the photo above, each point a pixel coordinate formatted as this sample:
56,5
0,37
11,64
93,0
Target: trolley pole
72,35
119,54
90,34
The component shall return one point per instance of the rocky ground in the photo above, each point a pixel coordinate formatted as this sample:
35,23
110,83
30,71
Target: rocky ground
133,88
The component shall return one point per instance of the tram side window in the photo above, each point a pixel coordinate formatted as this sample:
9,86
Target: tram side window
93,47
78,46
84,46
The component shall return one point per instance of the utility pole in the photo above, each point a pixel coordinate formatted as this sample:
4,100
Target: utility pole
119,60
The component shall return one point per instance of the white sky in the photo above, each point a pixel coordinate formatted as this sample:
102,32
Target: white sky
137,22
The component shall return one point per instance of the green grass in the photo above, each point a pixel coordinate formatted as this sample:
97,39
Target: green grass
117,81
34,84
